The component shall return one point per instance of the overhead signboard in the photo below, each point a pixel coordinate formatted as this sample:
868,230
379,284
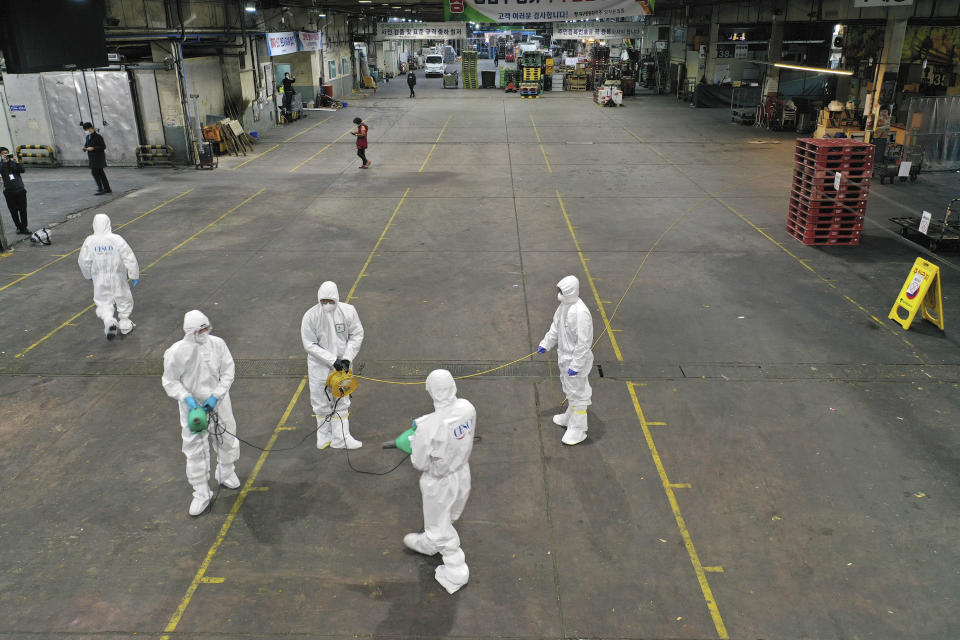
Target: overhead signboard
881,3
281,43
310,41
508,11
595,30
421,30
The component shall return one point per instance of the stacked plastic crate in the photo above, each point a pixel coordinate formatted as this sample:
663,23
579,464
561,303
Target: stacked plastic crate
470,70
825,209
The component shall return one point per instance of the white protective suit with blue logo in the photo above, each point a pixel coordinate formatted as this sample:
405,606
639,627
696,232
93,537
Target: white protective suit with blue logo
330,332
108,260
441,446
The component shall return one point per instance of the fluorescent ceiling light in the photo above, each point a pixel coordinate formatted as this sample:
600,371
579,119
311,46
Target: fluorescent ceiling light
813,69
250,7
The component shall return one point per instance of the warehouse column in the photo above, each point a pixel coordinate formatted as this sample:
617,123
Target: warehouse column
711,66
774,54
885,81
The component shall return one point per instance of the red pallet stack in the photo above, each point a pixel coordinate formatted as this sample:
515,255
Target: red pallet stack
819,212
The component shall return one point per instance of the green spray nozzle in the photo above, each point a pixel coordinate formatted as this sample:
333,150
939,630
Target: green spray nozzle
197,420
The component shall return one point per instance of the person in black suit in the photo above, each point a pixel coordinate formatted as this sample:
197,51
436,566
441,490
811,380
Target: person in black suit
288,81
97,157
13,189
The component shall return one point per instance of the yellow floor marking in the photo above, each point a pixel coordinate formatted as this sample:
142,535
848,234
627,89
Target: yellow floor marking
248,485
117,228
208,580
289,429
308,129
366,264
540,142
817,274
680,485
593,286
657,424
434,147
678,516
259,155
215,547
713,569
327,146
142,271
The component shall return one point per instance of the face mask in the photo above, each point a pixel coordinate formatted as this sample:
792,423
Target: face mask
328,306
559,297
201,337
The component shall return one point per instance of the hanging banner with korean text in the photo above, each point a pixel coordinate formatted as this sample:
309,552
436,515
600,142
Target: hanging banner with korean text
281,43
507,11
310,41
597,30
421,31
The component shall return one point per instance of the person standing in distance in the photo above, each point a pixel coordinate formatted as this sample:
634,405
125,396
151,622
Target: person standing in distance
198,369
361,136
441,446
13,189
331,334
97,158
412,82
107,260
288,81
572,333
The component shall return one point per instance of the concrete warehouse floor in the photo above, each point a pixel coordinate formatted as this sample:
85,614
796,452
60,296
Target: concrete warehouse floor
769,457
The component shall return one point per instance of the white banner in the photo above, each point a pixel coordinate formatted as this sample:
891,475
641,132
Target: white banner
605,30
507,11
881,3
421,31
310,41
281,43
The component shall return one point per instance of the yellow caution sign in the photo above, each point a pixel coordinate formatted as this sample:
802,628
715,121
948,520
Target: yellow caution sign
921,292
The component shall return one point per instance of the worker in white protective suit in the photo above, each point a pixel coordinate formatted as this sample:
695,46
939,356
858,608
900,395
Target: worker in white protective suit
572,333
332,334
107,260
198,372
441,447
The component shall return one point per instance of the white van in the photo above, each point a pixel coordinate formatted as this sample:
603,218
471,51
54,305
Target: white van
434,65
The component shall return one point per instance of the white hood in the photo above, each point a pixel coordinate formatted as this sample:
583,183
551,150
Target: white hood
101,224
192,321
328,291
442,388
569,290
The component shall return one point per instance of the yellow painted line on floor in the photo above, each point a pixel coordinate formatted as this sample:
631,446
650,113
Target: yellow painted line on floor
142,271
308,129
434,147
256,157
826,281
593,286
327,146
117,228
198,579
713,569
249,484
194,236
657,424
681,485
540,142
209,580
363,271
698,567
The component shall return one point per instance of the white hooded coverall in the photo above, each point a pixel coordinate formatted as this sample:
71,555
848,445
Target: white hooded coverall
109,260
441,446
572,333
201,366
328,335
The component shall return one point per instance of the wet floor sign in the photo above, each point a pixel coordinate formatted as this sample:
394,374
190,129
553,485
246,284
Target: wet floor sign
921,292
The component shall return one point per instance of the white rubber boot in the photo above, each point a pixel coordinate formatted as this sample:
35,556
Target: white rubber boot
561,419
341,435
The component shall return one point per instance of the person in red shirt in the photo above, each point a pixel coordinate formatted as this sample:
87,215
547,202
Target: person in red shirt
361,135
